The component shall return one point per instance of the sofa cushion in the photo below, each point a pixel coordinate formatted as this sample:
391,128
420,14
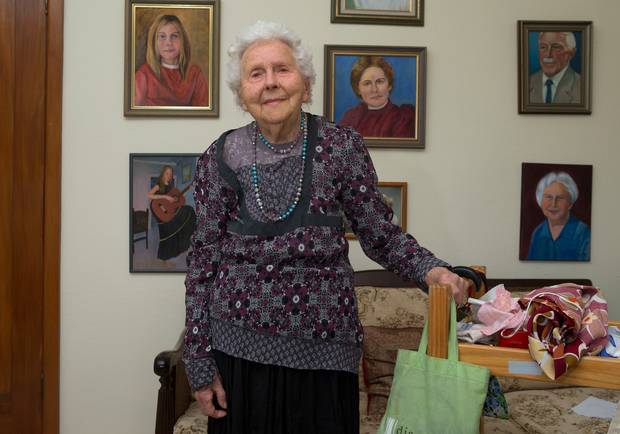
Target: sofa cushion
393,318
391,307
536,411
192,421
369,424
509,384
381,345
362,388
501,426
549,411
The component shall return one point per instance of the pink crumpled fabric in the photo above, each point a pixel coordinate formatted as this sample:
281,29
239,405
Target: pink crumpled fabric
502,312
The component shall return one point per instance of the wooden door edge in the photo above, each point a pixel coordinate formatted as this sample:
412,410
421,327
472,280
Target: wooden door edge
51,230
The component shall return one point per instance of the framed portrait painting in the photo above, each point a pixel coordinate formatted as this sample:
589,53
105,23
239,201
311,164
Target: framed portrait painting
556,204
555,67
162,214
379,91
392,12
394,194
172,58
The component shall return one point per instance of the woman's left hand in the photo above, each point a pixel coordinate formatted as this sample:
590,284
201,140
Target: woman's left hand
459,287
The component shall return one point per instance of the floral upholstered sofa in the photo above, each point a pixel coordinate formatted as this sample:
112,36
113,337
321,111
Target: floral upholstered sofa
393,313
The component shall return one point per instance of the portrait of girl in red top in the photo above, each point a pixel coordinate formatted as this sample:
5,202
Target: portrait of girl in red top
168,77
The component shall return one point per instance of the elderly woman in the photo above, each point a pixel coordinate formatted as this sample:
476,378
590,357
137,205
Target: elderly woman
562,236
273,339
372,79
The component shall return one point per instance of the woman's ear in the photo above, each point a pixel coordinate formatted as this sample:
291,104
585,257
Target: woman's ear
306,97
243,105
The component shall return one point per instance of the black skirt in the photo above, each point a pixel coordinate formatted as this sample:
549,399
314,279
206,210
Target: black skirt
268,399
175,235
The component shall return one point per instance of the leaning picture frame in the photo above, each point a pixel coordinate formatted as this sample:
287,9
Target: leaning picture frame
555,67
172,58
395,195
160,229
390,116
390,12
556,212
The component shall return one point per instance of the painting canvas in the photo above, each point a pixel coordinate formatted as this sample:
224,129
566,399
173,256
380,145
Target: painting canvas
162,213
554,69
555,212
379,91
391,12
395,195
171,58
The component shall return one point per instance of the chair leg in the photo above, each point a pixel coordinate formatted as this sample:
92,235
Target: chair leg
164,423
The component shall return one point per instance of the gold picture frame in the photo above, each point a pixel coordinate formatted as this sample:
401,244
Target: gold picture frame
389,12
188,85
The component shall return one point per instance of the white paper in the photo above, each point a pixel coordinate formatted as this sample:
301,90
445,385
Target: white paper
594,407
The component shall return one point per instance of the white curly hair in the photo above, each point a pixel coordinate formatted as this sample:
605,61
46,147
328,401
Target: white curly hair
266,31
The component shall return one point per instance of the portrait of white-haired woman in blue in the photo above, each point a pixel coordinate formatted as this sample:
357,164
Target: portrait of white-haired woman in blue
561,236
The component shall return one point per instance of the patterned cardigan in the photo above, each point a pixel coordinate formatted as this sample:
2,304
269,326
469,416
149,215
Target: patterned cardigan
282,292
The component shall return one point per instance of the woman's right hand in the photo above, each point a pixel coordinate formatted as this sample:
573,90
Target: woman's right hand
206,402
170,198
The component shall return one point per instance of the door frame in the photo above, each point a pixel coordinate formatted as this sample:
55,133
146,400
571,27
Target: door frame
51,218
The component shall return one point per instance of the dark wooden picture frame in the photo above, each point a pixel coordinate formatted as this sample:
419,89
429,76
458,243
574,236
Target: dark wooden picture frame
559,82
146,254
390,12
189,88
397,123
395,193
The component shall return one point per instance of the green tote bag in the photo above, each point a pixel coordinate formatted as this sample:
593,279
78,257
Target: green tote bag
431,395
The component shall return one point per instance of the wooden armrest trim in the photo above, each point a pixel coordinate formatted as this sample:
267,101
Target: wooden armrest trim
166,361
592,371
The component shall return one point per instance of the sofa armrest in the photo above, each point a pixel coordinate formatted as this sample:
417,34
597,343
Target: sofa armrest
166,361
173,391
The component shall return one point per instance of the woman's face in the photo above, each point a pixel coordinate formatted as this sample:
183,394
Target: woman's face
167,175
556,203
374,87
272,87
169,43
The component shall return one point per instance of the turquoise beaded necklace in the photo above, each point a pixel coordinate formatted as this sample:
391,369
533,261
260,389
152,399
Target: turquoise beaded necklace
304,148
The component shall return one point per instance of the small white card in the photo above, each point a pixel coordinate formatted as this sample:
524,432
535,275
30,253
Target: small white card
595,407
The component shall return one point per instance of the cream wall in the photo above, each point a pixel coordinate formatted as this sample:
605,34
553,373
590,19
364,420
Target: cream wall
464,188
